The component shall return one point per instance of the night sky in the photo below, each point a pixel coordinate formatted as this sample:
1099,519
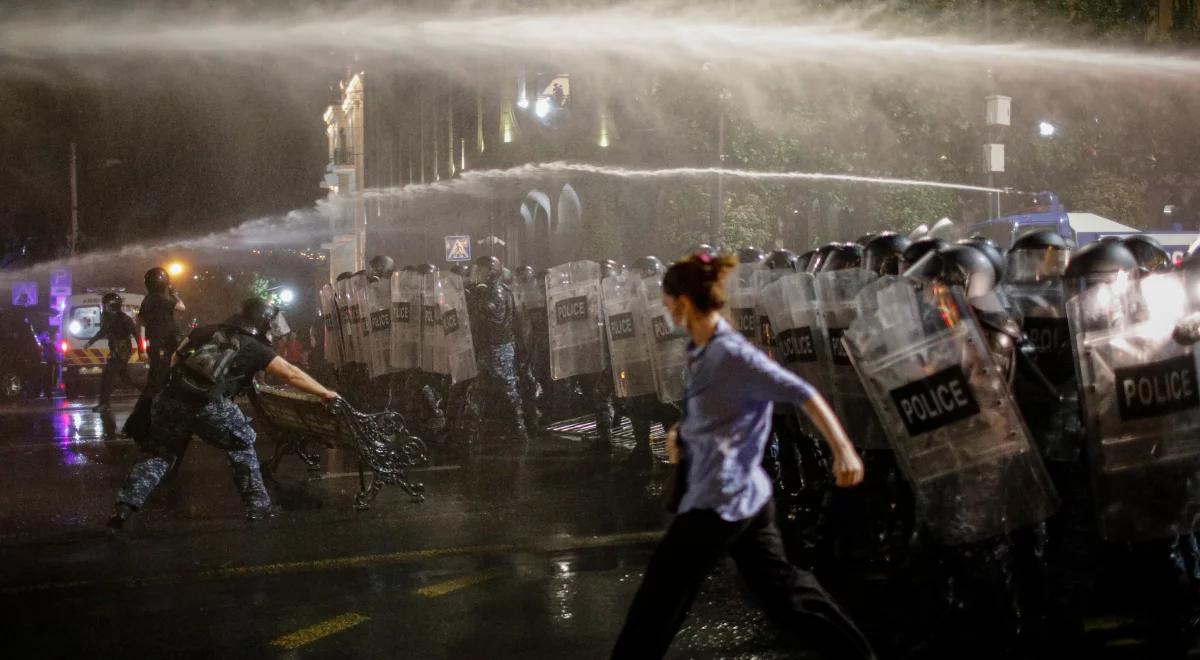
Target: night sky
166,146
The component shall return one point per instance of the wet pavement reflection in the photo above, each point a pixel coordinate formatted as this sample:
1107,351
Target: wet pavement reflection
518,552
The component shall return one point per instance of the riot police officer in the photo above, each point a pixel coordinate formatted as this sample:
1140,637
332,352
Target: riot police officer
530,324
198,399
381,266
884,252
493,329
157,316
120,331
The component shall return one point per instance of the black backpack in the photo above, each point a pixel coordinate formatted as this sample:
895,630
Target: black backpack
204,363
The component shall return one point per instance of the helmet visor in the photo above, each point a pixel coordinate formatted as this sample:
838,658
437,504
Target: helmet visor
1037,265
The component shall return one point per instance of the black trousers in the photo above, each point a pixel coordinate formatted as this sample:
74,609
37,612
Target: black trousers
693,544
116,367
159,351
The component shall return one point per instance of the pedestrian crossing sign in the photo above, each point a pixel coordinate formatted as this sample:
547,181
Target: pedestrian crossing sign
458,248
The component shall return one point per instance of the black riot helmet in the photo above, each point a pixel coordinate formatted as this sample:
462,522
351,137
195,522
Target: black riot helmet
111,302
460,270
649,266
957,265
805,260
1098,263
524,274
750,255
157,280
843,257
866,238
382,265
610,267
1150,255
990,250
427,269
882,254
344,275
818,260
703,248
1037,257
781,260
260,319
919,248
487,270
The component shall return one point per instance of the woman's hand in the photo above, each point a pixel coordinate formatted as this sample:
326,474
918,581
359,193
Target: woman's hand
848,468
674,451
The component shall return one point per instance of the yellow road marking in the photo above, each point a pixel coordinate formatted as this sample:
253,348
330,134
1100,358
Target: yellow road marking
356,561
306,636
454,584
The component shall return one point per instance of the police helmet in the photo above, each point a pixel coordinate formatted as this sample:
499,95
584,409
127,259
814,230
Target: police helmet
805,260
882,254
1038,256
487,270
817,262
1150,255
919,248
703,248
750,255
990,250
382,265
259,318
111,302
781,260
157,280
866,238
524,273
649,266
344,275
842,257
610,267
959,265
1100,262
427,269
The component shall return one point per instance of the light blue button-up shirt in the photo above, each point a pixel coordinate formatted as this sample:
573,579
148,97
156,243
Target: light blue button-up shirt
731,387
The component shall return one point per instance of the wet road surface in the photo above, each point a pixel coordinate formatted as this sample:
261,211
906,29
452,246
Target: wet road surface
516,553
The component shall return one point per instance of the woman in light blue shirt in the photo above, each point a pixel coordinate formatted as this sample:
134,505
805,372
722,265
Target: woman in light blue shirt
726,506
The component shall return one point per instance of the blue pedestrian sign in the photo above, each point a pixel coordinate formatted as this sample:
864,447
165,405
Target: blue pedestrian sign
24,294
458,248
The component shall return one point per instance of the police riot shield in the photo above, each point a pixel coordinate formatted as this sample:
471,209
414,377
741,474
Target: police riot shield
1041,308
948,412
1141,406
668,343
528,298
346,314
791,304
360,318
431,356
573,313
628,345
742,287
332,325
379,321
406,320
835,292
458,344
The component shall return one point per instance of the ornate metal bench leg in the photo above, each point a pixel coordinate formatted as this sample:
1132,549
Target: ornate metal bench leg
415,489
312,462
362,501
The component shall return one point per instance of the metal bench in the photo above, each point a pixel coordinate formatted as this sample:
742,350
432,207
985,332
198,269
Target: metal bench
299,423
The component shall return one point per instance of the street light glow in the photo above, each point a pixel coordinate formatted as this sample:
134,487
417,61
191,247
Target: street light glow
287,296
175,268
542,107
1046,129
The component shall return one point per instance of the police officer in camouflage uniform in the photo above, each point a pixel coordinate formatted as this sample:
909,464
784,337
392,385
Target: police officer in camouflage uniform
119,330
178,412
493,327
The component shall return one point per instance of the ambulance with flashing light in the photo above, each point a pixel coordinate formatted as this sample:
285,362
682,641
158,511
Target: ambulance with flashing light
82,367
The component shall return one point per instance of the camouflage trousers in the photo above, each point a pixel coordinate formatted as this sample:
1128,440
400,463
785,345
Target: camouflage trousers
172,424
497,389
